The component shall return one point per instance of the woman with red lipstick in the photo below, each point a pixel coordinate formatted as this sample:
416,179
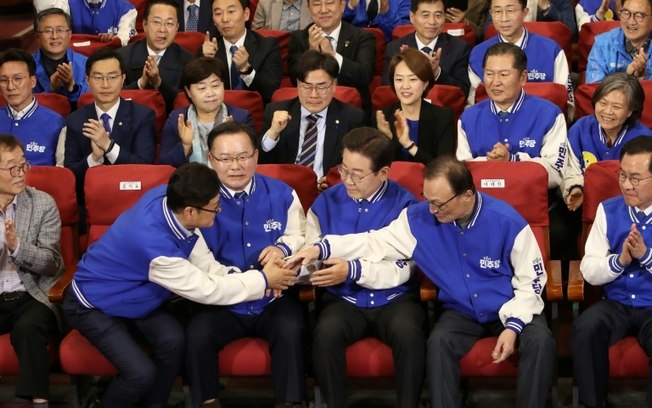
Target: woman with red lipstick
421,130
186,130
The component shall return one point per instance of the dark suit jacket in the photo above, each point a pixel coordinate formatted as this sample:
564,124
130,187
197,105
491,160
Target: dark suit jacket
454,59
358,50
170,67
133,130
265,57
204,19
340,119
436,132
171,147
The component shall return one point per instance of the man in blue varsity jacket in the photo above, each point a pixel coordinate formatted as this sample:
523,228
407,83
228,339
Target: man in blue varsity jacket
618,257
358,302
624,49
511,125
41,130
262,221
490,279
105,18
383,14
153,250
546,61
58,68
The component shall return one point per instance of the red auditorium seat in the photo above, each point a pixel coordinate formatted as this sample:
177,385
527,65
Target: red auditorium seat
301,178
463,31
555,30
52,101
86,44
551,91
442,95
587,35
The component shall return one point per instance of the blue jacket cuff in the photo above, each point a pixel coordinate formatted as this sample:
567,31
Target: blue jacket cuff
286,249
355,271
515,324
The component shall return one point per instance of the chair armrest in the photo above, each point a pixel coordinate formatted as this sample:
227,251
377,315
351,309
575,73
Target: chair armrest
427,290
58,291
575,291
554,286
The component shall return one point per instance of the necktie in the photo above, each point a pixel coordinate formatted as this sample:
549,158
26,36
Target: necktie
240,195
236,81
309,145
330,41
157,57
105,121
372,10
191,25
502,114
426,50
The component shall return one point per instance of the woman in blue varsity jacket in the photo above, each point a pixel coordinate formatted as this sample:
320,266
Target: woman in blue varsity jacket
186,131
261,222
419,129
618,103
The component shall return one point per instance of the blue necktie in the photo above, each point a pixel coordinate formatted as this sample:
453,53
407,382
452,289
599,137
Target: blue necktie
191,25
236,81
426,50
309,145
240,195
105,121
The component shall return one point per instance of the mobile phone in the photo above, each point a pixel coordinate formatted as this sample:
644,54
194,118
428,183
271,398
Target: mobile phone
458,4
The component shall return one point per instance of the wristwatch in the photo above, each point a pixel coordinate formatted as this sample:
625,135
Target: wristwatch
248,70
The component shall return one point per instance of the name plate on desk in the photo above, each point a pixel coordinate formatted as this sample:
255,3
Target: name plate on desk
492,183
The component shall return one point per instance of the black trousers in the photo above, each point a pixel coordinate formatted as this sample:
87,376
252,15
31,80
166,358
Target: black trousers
212,327
31,325
454,335
141,376
598,327
398,324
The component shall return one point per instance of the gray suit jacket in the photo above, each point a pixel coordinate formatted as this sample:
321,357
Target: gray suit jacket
39,260
268,15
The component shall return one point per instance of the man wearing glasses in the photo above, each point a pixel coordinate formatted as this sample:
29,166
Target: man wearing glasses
546,61
30,264
619,258
41,130
626,48
262,221
490,279
111,130
123,281
58,68
308,130
156,61
358,301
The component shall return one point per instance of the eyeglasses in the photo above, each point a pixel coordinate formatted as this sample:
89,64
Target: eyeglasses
355,178
14,171
99,79
439,207
226,160
215,211
52,30
509,12
634,180
638,16
321,89
158,24
15,81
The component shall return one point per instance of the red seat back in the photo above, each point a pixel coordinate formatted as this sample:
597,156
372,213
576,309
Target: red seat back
86,44
344,94
140,8
148,97
283,38
587,35
110,190
369,357
301,178
441,95
381,47
555,30
600,183
52,101
248,100
190,40
550,91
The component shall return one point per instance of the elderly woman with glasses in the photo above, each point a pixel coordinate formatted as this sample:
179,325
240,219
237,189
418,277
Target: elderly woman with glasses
186,130
421,131
618,103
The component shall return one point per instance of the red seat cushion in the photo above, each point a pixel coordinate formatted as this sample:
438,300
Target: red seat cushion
369,357
79,357
478,362
248,356
627,359
8,357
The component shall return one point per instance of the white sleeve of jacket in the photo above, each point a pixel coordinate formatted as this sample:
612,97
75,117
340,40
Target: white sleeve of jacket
529,279
127,26
598,266
295,230
202,279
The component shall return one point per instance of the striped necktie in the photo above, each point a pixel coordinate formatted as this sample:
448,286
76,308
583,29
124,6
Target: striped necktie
309,145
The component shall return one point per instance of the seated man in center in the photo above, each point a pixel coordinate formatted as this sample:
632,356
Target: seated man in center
262,221
308,130
383,302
